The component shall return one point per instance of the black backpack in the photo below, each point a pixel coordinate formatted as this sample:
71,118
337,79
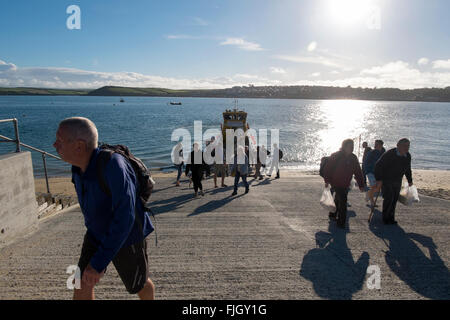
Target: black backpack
324,160
143,176
323,163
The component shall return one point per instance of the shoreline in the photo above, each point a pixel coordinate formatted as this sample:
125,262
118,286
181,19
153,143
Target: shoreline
432,183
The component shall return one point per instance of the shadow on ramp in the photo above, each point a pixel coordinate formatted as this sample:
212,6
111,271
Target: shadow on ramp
330,266
427,276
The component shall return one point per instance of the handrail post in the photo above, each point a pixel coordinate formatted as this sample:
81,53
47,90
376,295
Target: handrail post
45,170
16,130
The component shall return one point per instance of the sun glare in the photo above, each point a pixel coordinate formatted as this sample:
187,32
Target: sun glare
344,119
348,12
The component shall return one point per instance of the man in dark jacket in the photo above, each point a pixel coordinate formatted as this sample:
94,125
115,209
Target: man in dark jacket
338,172
196,164
117,224
389,172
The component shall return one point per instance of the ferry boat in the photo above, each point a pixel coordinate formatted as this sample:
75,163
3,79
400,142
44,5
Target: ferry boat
234,119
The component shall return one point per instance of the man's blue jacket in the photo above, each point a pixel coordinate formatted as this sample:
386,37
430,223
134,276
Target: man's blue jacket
110,220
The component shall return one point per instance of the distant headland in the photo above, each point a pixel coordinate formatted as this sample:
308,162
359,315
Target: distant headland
267,92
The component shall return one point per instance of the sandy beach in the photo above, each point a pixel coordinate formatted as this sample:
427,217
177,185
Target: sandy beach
433,183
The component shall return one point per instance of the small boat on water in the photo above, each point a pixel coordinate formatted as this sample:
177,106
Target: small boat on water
175,103
121,100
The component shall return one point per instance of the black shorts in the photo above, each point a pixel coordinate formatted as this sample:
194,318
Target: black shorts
130,262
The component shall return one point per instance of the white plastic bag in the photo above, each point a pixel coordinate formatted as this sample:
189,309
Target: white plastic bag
408,195
327,200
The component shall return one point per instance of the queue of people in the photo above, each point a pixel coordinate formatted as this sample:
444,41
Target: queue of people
383,169
198,170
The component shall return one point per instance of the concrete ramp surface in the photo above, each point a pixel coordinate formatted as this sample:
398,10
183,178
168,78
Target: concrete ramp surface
275,242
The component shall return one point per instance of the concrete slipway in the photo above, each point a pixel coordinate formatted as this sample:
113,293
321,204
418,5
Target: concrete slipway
274,243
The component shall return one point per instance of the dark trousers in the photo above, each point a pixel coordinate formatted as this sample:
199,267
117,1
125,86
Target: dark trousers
197,180
391,192
340,200
180,169
236,181
258,170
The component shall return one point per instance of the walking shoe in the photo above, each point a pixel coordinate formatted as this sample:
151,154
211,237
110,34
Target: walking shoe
234,193
246,190
202,193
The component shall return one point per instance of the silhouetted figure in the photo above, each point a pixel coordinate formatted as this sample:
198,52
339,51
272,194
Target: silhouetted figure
196,164
338,172
389,172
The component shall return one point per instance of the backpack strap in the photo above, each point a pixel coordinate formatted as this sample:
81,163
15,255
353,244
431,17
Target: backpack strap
102,159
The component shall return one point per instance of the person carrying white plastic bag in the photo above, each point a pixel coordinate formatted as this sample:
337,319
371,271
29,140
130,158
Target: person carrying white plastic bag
327,200
389,171
408,194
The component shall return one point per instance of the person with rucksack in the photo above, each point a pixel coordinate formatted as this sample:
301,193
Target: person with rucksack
337,171
111,192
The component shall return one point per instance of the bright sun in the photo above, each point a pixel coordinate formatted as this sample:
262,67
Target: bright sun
349,12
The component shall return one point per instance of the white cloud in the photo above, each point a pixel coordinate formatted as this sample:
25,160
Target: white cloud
327,62
242,44
277,70
312,46
387,69
7,66
398,74
79,79
334,72
181,36
441,64
423,61
199,22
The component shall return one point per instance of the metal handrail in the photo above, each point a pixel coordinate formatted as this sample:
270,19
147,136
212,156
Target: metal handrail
16,130
18,144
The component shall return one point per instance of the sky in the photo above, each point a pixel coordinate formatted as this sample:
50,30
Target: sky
188,44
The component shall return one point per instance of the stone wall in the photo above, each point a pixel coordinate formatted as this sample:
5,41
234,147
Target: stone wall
18,206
